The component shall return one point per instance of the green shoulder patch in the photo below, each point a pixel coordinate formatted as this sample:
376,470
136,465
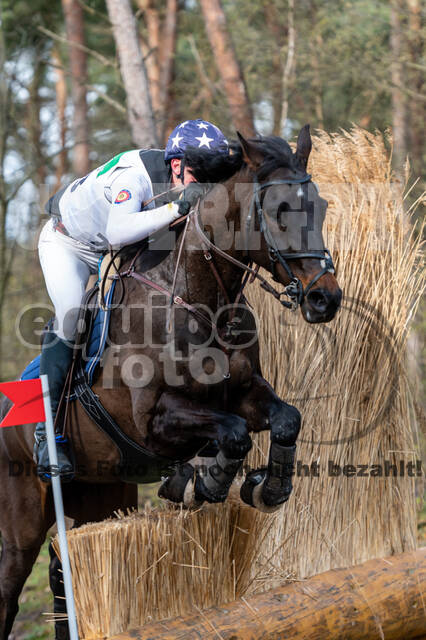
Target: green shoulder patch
109,165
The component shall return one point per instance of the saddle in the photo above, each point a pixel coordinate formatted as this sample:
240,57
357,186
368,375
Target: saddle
137,464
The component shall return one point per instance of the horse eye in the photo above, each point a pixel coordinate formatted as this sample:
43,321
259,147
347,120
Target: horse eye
284,206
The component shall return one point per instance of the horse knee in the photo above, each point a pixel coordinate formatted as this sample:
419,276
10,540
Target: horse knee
285,426
235,440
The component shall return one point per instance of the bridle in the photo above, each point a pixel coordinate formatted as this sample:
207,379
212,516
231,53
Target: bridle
294,290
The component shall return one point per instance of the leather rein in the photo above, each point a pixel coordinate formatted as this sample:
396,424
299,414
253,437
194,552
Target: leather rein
294,290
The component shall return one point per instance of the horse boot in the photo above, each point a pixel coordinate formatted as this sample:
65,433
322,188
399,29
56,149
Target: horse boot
55,361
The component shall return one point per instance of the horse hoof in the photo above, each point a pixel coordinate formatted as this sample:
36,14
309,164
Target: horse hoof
179,488
202,493
276,491
251,491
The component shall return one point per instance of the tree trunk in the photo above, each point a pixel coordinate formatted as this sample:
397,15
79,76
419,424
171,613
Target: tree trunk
61,103
316,46
159,51
4,127
74,23
151,52
133,71
416,106
34,123
167,56
289,64
228,66
272,16
399,115
381,598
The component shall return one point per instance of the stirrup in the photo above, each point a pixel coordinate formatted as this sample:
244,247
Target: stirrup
65,468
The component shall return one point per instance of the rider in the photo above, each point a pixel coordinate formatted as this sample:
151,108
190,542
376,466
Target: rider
106,209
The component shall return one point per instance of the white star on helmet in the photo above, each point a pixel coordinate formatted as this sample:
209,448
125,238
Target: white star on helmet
204,140
202,125
176,140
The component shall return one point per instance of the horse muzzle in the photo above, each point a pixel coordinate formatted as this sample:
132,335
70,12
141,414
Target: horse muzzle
321,305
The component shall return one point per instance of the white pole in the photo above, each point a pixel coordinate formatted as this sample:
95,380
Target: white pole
59,510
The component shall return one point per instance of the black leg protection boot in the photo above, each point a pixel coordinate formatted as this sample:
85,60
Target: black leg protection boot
55,361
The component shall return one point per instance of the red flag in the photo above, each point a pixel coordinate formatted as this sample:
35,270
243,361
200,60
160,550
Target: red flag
27,398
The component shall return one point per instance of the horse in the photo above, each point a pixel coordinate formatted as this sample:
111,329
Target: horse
184,377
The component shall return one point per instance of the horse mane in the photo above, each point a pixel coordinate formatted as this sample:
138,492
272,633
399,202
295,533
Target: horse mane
212,167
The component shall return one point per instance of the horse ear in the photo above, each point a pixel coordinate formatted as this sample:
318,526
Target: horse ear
304,146
252,155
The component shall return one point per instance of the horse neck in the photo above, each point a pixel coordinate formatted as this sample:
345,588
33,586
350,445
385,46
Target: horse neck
222,221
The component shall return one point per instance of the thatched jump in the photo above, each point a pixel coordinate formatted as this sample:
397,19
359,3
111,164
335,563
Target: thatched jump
378,599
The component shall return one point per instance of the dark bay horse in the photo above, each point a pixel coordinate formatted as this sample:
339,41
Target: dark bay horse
185,377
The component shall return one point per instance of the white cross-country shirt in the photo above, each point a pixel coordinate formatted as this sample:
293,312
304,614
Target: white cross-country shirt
105,207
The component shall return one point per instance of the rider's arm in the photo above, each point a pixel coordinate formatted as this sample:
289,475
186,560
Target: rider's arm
126,222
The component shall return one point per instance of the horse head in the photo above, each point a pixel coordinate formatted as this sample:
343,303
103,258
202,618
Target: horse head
286,208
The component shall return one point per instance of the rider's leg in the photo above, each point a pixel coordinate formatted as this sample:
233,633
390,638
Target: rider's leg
55,360
66,265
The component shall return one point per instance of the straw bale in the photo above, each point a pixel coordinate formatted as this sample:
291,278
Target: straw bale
349,380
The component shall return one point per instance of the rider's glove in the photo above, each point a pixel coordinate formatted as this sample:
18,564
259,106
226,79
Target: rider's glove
190,195
183,207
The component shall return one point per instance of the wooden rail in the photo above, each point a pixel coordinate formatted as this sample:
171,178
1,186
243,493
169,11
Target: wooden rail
382,598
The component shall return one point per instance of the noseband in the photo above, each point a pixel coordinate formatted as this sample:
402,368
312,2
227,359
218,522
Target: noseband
294,290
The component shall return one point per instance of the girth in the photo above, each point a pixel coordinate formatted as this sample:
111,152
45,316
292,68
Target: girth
137,464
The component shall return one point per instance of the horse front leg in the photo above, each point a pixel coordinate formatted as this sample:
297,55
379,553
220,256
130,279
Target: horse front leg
268,488
181,422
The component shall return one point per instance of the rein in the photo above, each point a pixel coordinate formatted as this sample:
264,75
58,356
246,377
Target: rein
294,290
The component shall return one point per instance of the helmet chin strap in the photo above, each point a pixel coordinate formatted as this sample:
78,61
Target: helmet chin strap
182,170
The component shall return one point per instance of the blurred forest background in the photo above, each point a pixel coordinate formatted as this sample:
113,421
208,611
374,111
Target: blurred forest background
84,80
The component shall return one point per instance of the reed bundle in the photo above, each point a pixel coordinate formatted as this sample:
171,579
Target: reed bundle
349,380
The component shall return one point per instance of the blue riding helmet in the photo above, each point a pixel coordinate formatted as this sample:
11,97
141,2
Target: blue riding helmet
195,133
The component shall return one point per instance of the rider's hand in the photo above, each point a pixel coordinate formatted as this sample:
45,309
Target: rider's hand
190,195
194,191
184,207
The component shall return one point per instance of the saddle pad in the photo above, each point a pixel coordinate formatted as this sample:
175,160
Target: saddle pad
95,344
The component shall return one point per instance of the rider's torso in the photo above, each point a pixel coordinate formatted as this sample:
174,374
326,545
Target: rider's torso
86,203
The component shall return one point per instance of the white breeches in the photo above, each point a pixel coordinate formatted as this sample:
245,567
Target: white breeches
67,265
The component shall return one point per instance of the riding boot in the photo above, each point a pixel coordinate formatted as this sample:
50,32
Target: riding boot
55,361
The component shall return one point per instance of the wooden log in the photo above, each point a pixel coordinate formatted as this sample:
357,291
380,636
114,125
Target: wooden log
381,599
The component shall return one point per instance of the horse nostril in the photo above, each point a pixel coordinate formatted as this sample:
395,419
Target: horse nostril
319,299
